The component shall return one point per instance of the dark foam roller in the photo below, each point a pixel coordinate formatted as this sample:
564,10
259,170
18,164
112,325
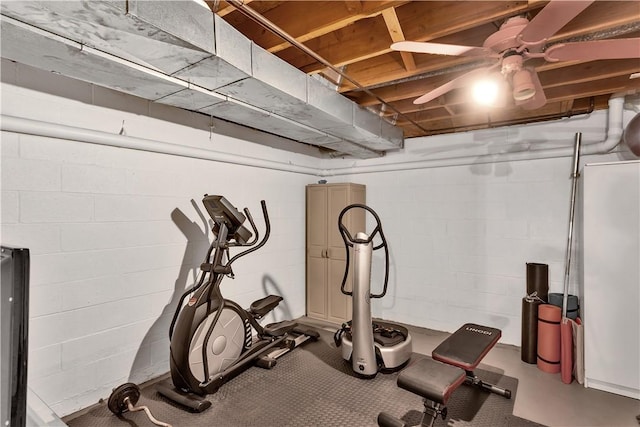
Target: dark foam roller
538,279
573,305
529,345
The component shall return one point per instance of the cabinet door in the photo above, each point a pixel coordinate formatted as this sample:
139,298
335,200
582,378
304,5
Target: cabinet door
337,199
317,221
316,287
339,305
316,252
326,250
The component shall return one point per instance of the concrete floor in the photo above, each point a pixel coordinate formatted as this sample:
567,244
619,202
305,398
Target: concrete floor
541,397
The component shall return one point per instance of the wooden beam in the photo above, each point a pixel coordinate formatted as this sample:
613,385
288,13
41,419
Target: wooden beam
556,95
368,72
395,31
423,20
223,7
405,91
567,105
588,71
306,20
474,121
353,6
403,94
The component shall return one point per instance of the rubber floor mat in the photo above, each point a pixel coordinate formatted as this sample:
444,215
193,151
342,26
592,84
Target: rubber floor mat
314,386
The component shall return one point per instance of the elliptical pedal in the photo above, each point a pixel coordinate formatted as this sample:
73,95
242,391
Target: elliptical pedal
265,305
311,334
266,362
292,338
278,329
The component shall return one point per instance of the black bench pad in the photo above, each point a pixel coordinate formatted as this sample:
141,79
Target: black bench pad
466,347
431,379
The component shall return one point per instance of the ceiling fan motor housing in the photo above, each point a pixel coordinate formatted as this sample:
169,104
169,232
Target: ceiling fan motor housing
511,62
507,36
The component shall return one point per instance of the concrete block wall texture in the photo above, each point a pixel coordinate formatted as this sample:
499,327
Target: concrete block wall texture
459,243
460,236
117,234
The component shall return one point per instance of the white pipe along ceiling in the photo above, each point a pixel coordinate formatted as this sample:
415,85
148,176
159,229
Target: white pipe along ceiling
615,131
179,53
54,130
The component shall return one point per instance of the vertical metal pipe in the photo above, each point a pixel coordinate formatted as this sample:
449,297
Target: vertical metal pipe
572,209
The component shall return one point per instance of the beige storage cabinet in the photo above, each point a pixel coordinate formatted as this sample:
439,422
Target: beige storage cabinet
325,248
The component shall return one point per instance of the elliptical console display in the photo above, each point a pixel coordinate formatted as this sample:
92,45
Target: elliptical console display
370,345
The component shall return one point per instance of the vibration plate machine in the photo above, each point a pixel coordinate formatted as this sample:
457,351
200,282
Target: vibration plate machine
370,345
212,337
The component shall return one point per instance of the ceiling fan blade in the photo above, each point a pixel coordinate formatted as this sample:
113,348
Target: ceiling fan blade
555,15
460,81
539,99
594,50
440,48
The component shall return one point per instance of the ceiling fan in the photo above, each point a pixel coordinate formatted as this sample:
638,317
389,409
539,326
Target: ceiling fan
518,40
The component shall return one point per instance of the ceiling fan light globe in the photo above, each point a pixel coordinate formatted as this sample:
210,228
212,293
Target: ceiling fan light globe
485,92
523,86
524,94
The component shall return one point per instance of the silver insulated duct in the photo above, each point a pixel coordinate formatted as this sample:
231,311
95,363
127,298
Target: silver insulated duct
179,53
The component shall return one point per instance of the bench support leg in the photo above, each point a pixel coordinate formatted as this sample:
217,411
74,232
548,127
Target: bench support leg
431,411
472,379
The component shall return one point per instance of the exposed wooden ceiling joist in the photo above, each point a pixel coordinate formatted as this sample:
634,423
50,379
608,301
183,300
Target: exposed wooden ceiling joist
357,35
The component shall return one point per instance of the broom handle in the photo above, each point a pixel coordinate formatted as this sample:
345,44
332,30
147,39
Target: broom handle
572,209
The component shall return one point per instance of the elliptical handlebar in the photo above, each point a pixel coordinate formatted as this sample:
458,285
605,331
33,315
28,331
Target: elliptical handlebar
349,241
267,233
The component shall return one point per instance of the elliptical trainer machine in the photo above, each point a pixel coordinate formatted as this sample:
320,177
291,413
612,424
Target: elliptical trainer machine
370,345
211,337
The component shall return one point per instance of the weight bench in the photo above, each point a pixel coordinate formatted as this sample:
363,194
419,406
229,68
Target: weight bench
452,364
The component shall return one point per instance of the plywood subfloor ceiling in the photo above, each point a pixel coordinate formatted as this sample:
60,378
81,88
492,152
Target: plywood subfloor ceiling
355,38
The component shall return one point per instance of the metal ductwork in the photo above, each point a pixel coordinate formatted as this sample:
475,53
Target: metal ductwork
179,53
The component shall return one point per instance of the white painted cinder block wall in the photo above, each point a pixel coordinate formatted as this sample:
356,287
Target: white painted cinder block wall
116,234
460,236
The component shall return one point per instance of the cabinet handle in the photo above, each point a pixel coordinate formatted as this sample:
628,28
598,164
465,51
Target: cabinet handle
325,253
